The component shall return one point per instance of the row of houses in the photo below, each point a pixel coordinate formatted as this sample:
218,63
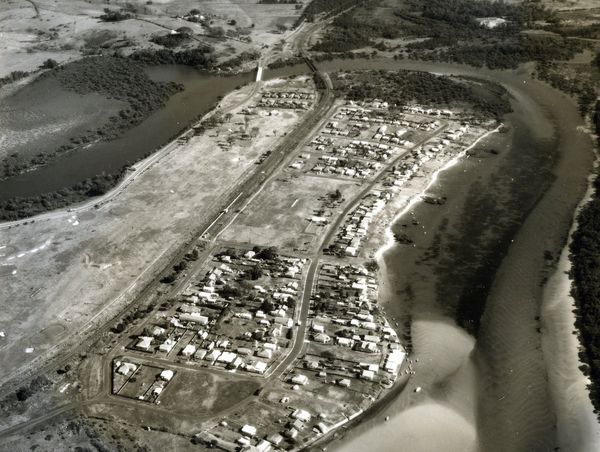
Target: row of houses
369,117
217,323
345,167
345,317
364,150
356,225
152,384
284,103
307,95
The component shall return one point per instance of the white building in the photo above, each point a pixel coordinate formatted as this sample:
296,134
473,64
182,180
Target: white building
300,379
188,350
167,374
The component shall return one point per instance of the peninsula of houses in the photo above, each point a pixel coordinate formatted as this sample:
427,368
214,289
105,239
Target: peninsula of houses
284,319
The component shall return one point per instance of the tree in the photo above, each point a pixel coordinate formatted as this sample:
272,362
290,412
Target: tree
23,393
49,64
255,272
267,254
372,265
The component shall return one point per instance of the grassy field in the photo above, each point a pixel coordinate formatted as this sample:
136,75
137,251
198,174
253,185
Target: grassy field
204,393
289,203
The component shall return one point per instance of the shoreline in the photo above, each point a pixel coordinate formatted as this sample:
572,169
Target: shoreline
577,423
378,250
417,197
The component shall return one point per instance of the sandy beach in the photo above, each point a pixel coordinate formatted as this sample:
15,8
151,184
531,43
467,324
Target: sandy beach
576,423
503,391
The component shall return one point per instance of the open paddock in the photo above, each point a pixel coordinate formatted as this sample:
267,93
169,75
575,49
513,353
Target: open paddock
204,392
291,212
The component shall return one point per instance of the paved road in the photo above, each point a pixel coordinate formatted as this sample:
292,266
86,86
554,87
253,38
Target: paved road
312,274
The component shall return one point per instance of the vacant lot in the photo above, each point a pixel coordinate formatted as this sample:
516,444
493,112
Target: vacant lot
281,214
203,393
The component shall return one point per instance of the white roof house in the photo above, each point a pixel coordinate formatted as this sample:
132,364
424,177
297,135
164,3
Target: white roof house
200,354
158,331
265,353
371,326
345,342
344,382
322,427
285,321
367,375
227,357
126,368
301,415
167,374
371,338
167,345
195,317
270,346
189,350
249,430
258,367
300,379
144,342
318,328
394,360
322,338
157,390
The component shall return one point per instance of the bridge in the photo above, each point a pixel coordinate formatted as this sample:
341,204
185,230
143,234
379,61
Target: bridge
323,76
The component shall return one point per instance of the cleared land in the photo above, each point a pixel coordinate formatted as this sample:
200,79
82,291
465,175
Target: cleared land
61,270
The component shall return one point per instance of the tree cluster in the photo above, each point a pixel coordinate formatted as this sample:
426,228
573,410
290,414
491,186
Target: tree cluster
200,56
585,271
114,77
170,40
328,7
13,77
401,87
114,16
23,207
